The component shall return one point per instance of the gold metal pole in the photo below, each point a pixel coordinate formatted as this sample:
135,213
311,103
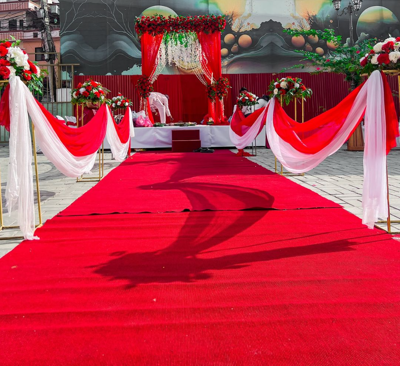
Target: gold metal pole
389,229
276,168
77,115
37,175
295,109
82,108
302,110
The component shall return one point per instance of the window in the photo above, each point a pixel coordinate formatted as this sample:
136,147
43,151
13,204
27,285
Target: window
21,24
35,34
12,24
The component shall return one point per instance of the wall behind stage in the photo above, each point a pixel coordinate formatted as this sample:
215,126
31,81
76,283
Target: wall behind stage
99,34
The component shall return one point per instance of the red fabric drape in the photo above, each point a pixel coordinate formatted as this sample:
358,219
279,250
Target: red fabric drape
123,128
211,48
5,109
150,45
84,140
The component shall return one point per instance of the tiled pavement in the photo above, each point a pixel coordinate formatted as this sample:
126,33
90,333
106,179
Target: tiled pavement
338,178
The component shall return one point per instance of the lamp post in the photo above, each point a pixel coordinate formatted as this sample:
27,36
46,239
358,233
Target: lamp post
353,7
355,142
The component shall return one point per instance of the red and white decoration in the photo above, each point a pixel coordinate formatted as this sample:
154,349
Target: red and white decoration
384,55
72,150
300,147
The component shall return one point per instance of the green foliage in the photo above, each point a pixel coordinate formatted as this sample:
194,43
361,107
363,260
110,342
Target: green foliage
342,60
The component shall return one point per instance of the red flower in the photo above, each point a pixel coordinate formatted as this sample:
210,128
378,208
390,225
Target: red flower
101,91
6,44
328,60
27,75
303,88
383,58
364,61
4,72
97,94
89,88
3,51
4,62
283,92
318,68
387,47
85,93
398,39
79,85
94,84
77,92
358,52
32,67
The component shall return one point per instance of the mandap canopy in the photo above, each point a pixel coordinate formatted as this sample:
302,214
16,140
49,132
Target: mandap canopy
192,44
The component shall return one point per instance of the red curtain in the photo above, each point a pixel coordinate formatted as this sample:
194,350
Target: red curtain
5,109
211,47
150,45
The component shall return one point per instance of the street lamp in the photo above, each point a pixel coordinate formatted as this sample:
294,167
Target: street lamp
353,7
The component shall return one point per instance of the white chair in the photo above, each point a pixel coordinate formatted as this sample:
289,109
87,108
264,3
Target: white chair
70,121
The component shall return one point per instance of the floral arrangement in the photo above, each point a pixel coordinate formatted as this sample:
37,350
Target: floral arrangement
218,89
384,55
158,24
289,88
144,87
246,99
89,92
15,62
119,102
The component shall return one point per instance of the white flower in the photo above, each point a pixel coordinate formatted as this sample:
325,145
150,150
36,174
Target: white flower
394,56
296,85
391,39
12,70
374,60
276,84
74,95
378,47
276,91
81,90
283,79
102,97
284,85
126,104
118,103
20,58
113,105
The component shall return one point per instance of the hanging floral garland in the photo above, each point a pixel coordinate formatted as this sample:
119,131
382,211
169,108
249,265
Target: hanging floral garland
144,87
289,88
158,24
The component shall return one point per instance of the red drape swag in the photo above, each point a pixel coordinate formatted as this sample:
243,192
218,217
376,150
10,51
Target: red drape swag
211,48
84,140
318,132
122,128
150,45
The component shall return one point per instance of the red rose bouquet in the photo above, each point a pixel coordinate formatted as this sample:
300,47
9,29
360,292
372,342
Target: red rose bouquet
144,87
289,88
246,99
89,91
384,55
119,102
15,62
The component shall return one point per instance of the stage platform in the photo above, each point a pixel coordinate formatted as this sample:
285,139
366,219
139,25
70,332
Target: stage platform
161,137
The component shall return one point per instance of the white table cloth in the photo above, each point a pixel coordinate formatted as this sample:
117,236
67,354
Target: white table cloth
161,137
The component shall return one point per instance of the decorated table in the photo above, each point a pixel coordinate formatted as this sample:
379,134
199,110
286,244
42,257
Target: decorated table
161,137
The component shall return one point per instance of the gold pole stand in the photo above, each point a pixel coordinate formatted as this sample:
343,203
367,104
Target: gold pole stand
288,174
79,111
3,227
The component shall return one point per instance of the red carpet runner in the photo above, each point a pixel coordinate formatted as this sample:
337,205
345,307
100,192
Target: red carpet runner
263,287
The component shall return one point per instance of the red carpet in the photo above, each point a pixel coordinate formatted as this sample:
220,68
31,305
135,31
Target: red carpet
223,287
166,182
234,288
